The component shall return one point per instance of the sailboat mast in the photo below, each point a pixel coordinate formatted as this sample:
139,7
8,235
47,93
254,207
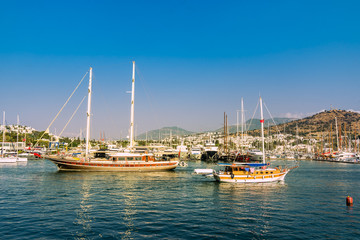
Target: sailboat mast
3,140
242,121
88,115
237,124
17,137
132,107
262,129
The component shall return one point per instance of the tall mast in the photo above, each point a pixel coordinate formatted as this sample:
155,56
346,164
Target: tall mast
227,133
331,139
237,124
262,129
88,115
224,134
17,137
242,121
132,107
3,140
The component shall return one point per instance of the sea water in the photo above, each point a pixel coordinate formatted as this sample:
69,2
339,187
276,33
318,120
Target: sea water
38,202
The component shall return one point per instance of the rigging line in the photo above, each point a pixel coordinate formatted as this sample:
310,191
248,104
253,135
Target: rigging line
76,136
72,116
47,129
277,129
248,129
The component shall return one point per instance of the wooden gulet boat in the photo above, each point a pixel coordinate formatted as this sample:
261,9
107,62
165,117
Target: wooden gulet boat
252,172
120,162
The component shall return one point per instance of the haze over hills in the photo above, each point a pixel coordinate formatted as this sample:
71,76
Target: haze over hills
176,131
255,124
162,133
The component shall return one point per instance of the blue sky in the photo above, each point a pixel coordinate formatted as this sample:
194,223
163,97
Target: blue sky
195,60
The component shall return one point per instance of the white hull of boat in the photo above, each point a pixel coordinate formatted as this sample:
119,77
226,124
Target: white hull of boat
7,160
21,159
250,179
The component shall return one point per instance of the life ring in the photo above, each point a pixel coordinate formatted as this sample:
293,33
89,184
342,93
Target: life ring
268,163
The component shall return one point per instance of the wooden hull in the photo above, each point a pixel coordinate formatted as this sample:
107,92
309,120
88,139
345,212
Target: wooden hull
71,164
251,178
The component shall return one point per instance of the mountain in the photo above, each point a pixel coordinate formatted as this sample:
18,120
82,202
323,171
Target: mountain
255,124
163,133
322,122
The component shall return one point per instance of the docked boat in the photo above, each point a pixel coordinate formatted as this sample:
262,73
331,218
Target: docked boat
110,161
195,153
254,155
119,162
250,172
210,152
8,157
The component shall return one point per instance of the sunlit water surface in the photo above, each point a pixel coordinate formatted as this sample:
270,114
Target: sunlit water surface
38,202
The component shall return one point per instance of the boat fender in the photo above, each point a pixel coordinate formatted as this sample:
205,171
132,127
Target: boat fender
232,176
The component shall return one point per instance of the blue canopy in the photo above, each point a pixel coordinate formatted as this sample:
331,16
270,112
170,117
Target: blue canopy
243,164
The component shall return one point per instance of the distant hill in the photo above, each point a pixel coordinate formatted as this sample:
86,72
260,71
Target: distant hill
255,124
163,133
322,122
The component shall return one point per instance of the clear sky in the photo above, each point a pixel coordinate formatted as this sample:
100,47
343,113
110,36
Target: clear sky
195,60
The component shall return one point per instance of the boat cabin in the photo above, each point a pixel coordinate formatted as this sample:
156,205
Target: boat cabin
246,170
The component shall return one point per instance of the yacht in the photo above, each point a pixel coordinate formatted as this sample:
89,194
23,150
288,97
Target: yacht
210,152
107,161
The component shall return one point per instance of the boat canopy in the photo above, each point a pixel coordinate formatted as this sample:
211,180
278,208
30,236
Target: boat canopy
243,164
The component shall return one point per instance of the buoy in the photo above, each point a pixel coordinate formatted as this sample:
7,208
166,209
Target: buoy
349,201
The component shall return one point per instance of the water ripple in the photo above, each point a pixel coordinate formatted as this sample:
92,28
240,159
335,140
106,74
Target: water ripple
37,202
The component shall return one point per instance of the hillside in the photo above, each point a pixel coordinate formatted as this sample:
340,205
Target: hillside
321,122
255,124
163,133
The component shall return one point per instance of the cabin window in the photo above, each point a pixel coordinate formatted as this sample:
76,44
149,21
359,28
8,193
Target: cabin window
266,172
130,158
138,158
146,158
121,158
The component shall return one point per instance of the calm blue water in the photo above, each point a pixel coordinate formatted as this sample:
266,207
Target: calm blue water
37,202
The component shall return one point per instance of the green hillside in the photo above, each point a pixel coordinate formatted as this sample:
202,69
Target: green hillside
163,133
255,124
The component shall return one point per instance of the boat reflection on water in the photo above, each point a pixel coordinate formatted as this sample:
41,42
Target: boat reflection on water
14,164
4,165
126,195
83,217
